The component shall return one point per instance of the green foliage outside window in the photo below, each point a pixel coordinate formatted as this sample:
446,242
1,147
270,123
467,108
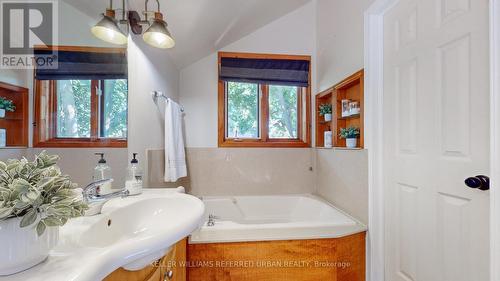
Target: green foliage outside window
283,112
243,110
115,109
73,108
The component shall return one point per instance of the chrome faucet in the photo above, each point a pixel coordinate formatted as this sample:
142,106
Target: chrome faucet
93,197
211,220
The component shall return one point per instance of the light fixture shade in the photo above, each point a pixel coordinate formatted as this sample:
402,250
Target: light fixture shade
158,35
108,30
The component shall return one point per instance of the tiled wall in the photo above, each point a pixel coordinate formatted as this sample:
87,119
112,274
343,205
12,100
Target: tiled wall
339,176
219,171
342,179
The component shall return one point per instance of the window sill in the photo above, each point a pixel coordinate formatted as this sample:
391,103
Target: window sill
81,143
270,143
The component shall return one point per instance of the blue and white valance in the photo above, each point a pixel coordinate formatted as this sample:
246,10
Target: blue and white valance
265,71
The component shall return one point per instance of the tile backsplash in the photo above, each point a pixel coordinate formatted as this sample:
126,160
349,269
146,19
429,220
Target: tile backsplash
233,171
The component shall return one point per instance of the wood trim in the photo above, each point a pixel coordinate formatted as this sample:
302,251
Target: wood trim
12,87
300,114
82,49
264,115
353,78
82,143
264,141
36,111
256,144
94,112
53,108
307,137
265,260
221,128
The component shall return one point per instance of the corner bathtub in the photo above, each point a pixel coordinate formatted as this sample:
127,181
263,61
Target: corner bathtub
267,218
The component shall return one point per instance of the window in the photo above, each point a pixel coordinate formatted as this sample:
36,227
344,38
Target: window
263,114
243,110
77,112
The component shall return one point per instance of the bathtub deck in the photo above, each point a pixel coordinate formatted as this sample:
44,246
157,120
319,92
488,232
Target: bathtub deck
341,259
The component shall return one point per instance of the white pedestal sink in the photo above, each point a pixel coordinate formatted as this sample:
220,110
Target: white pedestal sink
131,232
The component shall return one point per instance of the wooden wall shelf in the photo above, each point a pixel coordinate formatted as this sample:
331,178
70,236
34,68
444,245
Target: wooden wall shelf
351,88
16,123
322,125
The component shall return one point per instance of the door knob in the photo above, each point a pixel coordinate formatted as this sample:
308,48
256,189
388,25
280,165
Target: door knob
480,182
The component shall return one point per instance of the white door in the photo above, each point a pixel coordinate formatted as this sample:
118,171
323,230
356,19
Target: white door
436,134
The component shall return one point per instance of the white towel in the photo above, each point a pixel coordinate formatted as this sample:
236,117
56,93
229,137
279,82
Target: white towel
175,157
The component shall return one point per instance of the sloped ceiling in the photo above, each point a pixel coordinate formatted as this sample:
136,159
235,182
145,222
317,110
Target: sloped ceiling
200,27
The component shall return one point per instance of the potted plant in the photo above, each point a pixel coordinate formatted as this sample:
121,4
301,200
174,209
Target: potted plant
326,111
350,135
35,200
6,105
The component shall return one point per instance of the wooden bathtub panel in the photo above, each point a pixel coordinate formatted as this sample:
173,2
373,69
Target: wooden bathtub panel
349,249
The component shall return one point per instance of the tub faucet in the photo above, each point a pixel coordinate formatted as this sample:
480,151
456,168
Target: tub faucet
93,197
211,220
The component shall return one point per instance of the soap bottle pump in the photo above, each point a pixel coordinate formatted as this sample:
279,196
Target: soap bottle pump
102,171
134,177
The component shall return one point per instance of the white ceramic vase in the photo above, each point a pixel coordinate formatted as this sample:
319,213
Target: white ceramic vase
2,113
22,248
328,117
351,143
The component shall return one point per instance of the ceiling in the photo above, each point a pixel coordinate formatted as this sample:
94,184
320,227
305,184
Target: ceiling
200,27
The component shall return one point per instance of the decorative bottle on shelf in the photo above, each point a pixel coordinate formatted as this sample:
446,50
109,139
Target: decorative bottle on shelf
134,177
102,171
328,138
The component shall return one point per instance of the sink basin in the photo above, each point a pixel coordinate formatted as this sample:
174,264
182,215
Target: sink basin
138,220
131,233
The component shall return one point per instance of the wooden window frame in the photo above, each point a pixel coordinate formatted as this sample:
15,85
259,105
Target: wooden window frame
52,140
303,140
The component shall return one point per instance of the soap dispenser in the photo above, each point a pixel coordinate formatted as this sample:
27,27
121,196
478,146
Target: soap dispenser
134,177
102,171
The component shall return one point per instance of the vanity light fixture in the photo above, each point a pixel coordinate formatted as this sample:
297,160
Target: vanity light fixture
157,35
107,28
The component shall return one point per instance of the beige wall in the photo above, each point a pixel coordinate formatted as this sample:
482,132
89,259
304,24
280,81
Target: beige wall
339,39
150,69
